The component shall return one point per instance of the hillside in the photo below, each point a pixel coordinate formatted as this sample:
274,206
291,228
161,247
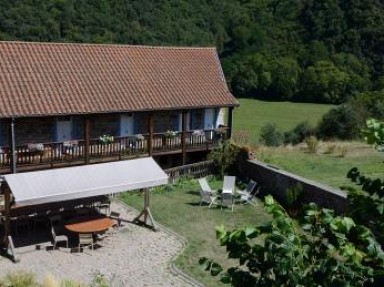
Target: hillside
252,115
311,51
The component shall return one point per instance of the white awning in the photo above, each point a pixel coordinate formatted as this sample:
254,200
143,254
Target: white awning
68,183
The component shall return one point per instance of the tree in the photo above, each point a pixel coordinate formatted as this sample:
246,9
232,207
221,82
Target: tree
357,71
223,156
347,34
325,82
286,73
248,74
326,250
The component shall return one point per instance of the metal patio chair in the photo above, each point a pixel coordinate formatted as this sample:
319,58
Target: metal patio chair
207,195
85,239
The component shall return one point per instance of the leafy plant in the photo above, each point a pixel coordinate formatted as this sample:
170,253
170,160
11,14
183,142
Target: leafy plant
374,133
312,144
293,199
224,156
326,250
343,122
171,134
298,133
106,139
270,136
367,203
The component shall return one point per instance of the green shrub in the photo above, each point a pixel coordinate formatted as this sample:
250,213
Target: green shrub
343,122
298,133
369,104
293,199
312,144
224,156
270,136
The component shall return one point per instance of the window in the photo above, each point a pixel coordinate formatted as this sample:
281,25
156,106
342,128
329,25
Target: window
197,120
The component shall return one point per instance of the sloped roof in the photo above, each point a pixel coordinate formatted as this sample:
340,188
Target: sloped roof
60,78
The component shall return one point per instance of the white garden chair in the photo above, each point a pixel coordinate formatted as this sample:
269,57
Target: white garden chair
207,195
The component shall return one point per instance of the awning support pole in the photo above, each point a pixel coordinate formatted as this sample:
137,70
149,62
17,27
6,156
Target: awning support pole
7,240
146,212
7,206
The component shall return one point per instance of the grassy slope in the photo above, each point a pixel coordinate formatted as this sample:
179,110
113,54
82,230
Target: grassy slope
254,114
327,168
179,210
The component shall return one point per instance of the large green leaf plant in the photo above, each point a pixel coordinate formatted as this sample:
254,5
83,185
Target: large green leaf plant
367,203
323,250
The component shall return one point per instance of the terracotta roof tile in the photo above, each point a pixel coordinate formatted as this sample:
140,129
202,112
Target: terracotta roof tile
54,78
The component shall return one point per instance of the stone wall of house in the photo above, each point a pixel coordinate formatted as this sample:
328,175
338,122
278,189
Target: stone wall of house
164,121
43,130
32,130
277,181
141,123
106,124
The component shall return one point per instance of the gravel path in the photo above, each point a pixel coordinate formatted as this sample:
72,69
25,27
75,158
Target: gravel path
135,256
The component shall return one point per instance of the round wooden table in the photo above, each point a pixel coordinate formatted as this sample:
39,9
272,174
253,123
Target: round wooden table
89,224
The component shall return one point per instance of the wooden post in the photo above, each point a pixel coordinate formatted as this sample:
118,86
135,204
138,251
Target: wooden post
7,210
146,212
7,240
12,145
87,139
230,122
184,136
150,132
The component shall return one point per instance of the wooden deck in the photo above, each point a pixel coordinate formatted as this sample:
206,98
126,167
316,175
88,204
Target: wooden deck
62,154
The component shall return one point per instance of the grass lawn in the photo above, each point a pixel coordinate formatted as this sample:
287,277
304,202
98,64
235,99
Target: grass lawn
328,166
252,115
177,207
325,166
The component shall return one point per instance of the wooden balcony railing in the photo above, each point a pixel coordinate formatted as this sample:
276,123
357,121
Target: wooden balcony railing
121,148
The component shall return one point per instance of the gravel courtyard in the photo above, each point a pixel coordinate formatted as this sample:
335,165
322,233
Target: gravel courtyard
135,256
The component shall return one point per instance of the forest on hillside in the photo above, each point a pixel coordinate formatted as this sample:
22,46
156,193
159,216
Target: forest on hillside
300,50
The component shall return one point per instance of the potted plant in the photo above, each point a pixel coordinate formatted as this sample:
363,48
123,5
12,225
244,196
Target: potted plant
106,139
169,137
171,134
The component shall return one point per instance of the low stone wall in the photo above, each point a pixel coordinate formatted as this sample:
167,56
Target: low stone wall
277,181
